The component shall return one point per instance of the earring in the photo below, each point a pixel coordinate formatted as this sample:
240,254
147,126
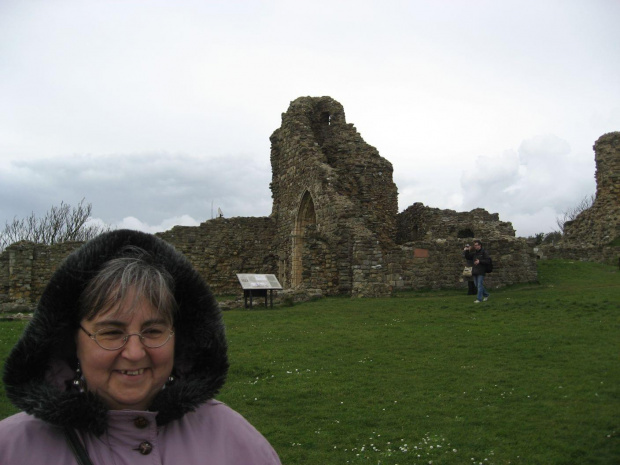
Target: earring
169,382
79,382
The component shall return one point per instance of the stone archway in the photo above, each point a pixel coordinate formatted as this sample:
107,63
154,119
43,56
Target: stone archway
306,216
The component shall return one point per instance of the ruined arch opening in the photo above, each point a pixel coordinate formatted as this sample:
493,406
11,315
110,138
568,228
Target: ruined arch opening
306,216
465,233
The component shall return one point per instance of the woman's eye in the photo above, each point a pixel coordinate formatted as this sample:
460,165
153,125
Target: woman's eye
153,332
110,334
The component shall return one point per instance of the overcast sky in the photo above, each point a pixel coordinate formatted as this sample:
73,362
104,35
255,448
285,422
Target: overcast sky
158,112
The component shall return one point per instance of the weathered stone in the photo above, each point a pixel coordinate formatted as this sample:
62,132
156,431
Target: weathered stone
334,226
595,234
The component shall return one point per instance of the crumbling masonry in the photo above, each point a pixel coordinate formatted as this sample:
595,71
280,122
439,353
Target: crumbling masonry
595,234
334,226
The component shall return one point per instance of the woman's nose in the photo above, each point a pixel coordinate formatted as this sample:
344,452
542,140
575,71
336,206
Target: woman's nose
134,347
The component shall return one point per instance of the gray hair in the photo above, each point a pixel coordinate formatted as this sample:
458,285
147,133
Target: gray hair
133,275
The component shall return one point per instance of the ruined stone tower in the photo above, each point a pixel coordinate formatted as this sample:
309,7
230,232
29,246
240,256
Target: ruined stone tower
333,195
595,234
600,224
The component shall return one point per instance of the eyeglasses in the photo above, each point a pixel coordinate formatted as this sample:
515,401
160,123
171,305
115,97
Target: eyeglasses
113,338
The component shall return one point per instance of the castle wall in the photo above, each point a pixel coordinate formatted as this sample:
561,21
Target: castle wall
222,247
419,222
585,253
334,226
26,267
321,265
600,224
595,234
316,152
20,258
438,264
5,276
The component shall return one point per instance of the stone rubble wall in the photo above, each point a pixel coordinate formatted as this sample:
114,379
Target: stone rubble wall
585,253
316,149
26,267
368,262
595,234
322,266
600,224
222,247
439,263
334,226
219,249
316,153
418,223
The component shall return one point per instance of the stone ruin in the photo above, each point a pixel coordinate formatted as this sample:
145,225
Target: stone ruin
595,234
334,226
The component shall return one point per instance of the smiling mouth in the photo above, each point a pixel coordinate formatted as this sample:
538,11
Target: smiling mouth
132,372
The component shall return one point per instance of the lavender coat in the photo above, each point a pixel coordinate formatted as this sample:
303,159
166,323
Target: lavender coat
183,425
212,435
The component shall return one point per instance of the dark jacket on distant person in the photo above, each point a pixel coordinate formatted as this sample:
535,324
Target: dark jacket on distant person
483,260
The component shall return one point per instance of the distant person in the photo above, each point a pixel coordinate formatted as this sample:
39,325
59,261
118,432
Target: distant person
471,286
120,365
480,259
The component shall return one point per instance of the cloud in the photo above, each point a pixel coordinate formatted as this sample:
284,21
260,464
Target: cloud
529,187
548,148
490,176
154,187
529,224
131,222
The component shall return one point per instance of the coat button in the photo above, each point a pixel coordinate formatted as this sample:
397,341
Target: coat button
145,448
140,422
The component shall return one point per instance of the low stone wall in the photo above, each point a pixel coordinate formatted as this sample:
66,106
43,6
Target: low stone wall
218,249
439,264
222,247
26,267
419,222
588,253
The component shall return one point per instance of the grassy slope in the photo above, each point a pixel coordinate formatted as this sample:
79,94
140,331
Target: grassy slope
532,376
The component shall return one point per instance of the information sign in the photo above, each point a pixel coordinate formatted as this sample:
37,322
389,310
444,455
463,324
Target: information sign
257,285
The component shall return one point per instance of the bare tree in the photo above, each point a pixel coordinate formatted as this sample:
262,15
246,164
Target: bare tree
572,213
60,224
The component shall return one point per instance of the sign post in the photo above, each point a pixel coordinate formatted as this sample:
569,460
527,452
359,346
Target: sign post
258,285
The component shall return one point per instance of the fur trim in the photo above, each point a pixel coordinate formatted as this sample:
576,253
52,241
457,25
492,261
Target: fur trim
201,362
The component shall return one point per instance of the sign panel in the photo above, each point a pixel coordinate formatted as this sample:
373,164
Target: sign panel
258,281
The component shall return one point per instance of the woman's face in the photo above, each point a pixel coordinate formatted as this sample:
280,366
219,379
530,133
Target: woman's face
130,377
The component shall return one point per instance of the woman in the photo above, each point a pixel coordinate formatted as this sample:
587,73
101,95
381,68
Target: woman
127,349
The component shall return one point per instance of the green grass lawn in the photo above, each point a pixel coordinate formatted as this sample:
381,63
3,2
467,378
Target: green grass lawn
530,377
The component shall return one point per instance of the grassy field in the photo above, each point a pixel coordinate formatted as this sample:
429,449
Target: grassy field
530,377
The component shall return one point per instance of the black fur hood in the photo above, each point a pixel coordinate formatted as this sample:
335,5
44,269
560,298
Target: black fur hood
41,366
